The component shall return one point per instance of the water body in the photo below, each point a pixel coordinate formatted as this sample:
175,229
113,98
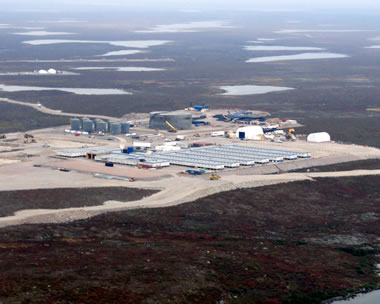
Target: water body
250,90
26,28
303,56
42,33
190,11
190,27
122,53
281,48
64,20
292,31
122,69
366,298
143,44
78,91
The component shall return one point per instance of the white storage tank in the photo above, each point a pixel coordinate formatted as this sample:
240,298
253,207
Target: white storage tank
319,137
251,132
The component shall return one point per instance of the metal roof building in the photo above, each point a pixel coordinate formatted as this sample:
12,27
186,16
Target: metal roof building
179,119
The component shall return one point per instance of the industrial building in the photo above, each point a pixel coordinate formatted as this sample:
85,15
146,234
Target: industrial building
251,132
180,120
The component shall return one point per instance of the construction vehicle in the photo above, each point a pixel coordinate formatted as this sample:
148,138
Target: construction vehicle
226,118
291,135
29,139
172,128
214,176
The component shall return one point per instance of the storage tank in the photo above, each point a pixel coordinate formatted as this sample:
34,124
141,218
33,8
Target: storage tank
178,119
124,128
115,128
88,125
75,124
82,120
100,126
319,137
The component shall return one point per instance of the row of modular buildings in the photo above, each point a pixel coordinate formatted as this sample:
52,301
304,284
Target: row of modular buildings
207,156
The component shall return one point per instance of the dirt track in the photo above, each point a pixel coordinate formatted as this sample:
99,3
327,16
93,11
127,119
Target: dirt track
174,192
46,110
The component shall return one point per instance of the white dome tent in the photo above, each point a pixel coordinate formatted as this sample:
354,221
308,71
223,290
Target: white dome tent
52,71
251,132
319,137
42,72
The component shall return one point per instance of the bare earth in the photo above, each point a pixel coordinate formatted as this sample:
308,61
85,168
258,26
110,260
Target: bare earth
19,171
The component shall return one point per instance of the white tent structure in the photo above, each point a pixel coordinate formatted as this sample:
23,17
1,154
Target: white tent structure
43,72
319,137
52,71
251,132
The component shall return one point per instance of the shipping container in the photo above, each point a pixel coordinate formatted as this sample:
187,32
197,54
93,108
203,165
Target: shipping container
194,172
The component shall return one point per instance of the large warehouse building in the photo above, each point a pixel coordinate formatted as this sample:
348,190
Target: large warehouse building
164,120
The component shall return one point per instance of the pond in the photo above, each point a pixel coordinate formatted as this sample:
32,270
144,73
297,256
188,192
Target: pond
366,298
78,91
304,56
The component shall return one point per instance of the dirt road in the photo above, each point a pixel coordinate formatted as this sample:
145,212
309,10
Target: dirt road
174,192
46,110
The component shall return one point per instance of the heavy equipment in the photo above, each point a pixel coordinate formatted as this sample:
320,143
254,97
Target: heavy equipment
3,136
29,139
214,176
226,118
172,128
291,135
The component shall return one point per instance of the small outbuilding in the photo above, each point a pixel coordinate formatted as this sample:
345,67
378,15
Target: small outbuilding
251,132
319,137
